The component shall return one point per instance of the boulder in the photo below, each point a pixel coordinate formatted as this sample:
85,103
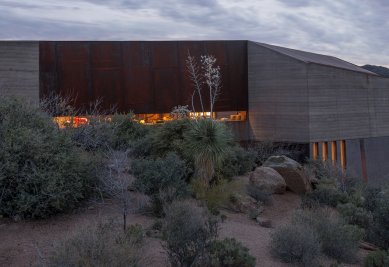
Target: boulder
296,179
268,179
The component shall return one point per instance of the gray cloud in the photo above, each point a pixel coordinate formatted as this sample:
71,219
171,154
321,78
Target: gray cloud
349,29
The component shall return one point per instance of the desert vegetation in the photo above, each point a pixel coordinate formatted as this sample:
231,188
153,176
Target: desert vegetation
187,175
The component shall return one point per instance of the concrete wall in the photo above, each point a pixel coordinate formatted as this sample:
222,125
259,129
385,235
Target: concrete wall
278,96
19,69
346,105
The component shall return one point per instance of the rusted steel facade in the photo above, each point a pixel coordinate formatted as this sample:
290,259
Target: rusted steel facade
142,76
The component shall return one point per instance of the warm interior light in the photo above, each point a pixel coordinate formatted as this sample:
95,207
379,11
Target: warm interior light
69,121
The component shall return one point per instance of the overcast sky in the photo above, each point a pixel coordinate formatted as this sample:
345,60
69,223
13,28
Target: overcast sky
354,30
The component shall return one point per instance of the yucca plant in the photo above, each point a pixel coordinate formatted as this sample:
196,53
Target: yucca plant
208,142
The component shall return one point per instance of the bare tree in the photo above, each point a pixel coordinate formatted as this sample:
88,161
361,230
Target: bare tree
115,180
196,79
206,74
212,78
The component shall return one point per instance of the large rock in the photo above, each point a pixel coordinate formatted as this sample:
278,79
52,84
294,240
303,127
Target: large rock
292,172
268,179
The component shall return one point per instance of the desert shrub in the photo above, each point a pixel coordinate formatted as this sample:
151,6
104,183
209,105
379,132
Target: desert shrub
42,172
237,161
338,240
100,133
218,194
103,245
126,131
324,195
297,244
188,231
259,194
230,253
379,258
264,150
253,213
355,215
169,137
378,233
323,170
163,179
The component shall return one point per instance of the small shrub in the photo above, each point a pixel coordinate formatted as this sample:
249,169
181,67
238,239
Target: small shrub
188,231
253,214
104,245
266,149
355,215
218,195
324,195
338,240
377,202
237,161
297,244
230,253
99,134
169,137
259,194
379,258
42,172
163,179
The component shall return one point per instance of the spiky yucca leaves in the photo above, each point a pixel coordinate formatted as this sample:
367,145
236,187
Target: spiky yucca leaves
208,142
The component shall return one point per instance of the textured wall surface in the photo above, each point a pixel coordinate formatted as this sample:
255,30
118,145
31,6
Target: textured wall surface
19,69
346,105
295,101
278,96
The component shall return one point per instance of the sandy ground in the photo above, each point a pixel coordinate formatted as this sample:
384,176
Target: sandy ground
23,243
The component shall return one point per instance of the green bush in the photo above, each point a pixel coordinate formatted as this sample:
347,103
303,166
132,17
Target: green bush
237,161
42,172
377,202
297,244
230,253
169,137
379,258
338,240
355,215
324,195
105,245
188,231
119,132
163,179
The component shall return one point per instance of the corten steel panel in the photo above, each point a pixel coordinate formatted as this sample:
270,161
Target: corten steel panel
166,86
142,76
72,71
137,72
47,69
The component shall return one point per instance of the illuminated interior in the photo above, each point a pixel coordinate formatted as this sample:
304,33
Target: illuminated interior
157,118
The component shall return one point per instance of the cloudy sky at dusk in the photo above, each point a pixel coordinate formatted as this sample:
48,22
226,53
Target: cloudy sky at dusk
354,30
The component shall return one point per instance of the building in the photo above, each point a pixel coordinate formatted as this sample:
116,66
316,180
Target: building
337,109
